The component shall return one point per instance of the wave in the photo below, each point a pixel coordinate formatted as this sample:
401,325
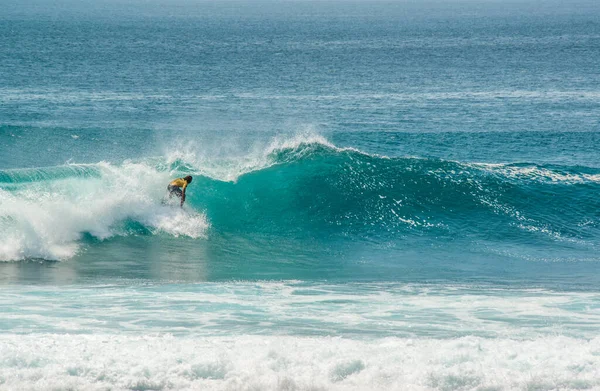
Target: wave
317,187
304,186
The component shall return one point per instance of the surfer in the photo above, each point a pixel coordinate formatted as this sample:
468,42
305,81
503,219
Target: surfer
177,187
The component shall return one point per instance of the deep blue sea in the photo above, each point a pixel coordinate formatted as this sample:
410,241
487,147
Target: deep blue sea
387,195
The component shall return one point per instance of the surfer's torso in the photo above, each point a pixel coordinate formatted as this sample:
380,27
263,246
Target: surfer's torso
179,182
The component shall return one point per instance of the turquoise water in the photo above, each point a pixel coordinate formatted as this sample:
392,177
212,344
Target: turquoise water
386,195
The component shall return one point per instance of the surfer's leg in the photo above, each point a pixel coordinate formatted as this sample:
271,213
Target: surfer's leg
174,190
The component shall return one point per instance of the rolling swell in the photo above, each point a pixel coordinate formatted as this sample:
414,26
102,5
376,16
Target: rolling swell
319,189
304,189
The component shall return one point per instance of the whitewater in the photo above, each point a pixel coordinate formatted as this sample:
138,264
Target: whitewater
269,335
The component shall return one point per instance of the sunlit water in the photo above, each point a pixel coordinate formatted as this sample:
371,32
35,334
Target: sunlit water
386,196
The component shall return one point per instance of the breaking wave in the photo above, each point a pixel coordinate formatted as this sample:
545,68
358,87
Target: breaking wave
301,186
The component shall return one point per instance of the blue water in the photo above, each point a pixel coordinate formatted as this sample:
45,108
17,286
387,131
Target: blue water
387,195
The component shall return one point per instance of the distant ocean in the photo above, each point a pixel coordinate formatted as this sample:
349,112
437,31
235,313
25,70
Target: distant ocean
387,195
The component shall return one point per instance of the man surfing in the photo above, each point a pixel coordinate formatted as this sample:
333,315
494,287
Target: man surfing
177,187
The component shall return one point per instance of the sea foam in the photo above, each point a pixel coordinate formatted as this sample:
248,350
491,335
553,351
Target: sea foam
165,362
47,218
297,335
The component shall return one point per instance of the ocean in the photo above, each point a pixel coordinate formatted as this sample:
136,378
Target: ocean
387,195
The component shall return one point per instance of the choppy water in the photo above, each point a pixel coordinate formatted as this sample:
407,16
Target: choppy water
385,196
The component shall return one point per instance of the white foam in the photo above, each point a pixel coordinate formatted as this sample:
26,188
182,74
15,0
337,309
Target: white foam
254,336
47,219
211,309
165,362
537,173
227,163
